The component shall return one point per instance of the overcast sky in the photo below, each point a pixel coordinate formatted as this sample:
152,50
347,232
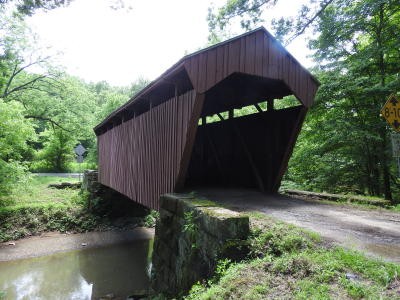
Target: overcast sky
119,46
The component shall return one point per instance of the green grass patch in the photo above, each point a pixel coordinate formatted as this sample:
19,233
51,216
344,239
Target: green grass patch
34,208
35,190
287,262
368,202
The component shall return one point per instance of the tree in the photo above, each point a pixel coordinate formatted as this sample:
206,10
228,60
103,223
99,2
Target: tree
250,14
28,7
359,40
57,152
15,134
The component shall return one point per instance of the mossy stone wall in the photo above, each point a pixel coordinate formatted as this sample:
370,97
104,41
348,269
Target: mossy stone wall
191,236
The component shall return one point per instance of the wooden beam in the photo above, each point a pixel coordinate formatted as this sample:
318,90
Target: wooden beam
289,148
258,108
220,117
270,104
190,138
215,153
249,158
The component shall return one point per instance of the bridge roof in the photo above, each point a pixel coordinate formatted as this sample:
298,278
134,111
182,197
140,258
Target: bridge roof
256,53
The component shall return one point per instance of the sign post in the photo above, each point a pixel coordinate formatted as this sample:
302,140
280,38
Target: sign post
396,149
79,151
391,112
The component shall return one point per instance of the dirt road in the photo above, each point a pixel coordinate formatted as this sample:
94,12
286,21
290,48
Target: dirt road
375,232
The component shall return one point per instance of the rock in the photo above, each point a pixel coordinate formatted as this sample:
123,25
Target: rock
84,244
141,294
65,185
107,297
11,244
352,277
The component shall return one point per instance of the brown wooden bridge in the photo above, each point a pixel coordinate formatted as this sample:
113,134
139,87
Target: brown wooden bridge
160,141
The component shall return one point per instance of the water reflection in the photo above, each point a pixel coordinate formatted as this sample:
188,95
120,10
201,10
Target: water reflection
85,274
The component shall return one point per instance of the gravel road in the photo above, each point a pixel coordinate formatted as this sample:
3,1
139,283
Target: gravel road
375,232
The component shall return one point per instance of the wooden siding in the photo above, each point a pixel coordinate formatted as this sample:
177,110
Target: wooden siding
257,53
141,158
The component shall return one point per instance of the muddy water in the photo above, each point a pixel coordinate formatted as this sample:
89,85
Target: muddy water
120,270
390,251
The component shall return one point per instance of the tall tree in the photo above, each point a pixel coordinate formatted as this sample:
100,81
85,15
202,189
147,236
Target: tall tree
359,40
249,14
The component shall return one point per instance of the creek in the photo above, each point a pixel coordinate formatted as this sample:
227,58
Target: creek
115,271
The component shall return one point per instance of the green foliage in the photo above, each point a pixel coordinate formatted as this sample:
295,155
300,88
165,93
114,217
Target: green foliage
221,269
344,145
28,7
249,14
15,131
190,227
151,219
279,238
57,151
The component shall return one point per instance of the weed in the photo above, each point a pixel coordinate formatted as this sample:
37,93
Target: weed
151,219
309,289
221,268
191,228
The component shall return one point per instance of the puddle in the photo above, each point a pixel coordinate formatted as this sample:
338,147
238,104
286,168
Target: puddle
120,270
388,251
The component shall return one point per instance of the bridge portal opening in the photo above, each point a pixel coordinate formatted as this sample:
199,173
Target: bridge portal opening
245,128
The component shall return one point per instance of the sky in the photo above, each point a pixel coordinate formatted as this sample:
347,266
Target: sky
141,40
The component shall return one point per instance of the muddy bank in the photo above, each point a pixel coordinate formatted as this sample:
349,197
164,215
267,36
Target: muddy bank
53,242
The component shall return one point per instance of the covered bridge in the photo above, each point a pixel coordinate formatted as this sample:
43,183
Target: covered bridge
162,140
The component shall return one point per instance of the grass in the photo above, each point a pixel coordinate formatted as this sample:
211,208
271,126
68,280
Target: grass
287,262
35,191
392,208
367,202
35,208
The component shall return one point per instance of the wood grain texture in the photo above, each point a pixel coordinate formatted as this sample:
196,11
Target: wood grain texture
141,158
257,53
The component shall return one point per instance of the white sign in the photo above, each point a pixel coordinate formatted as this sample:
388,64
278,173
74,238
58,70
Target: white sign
79,150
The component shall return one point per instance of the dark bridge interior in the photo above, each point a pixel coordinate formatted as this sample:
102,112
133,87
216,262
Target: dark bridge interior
242,151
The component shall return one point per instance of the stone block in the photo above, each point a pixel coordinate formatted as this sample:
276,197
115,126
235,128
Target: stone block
224,223
168,202
190,237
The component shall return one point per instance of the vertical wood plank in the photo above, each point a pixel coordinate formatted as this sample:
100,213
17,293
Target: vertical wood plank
211,68
258,60
250,54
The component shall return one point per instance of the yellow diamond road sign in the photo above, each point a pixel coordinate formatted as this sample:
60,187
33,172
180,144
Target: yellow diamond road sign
391,112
